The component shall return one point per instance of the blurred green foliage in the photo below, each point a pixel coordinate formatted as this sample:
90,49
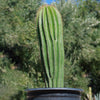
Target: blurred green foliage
82,43
20,62
13,82
18,31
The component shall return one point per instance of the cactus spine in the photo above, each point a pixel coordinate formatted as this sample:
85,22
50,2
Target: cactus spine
50,30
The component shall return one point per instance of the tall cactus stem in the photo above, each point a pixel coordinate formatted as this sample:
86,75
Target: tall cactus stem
51,38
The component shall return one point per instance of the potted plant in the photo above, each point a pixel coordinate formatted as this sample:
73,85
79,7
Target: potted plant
50,29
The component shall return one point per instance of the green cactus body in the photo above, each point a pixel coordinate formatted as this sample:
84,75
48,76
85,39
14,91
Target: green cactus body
50,30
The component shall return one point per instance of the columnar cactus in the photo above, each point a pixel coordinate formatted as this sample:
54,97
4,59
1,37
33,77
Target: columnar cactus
50,28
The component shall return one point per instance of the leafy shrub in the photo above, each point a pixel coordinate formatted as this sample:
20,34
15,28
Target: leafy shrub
75,77
5,63
16,82
18,37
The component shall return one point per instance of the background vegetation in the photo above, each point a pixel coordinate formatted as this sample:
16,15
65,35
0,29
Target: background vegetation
20,62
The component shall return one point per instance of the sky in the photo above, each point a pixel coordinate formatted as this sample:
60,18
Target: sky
49,1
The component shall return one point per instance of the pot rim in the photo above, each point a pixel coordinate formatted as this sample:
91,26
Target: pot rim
54,89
